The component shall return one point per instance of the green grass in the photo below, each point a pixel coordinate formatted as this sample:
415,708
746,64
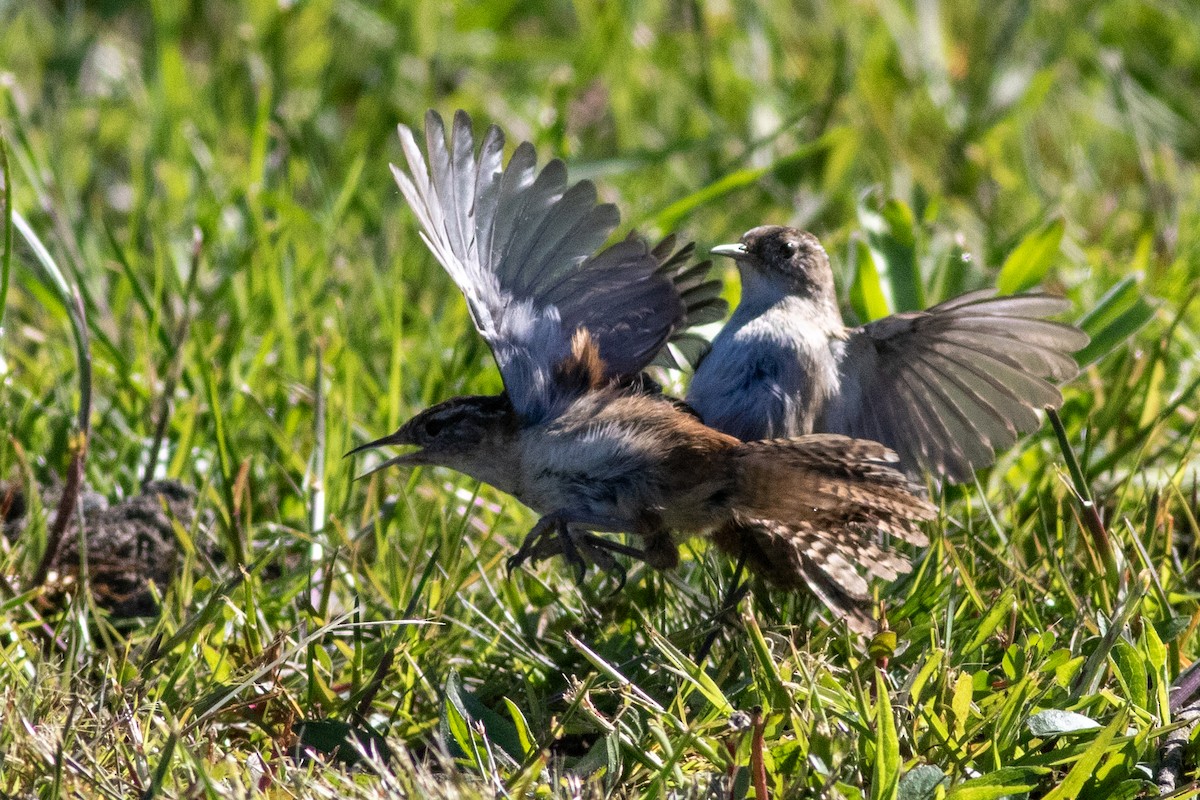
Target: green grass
933,147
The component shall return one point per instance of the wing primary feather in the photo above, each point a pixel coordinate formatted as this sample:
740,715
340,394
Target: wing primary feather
440,177
461,185
521,245
547,188
945,400
576,229
517,177
985,301
1033,354
1001,430
487,193
1018,409
1033,390
917,409
662,250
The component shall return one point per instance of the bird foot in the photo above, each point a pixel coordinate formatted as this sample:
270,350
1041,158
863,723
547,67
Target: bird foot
579,548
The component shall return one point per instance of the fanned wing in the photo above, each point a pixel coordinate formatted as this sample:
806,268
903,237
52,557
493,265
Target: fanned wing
703,304
947,387
521,245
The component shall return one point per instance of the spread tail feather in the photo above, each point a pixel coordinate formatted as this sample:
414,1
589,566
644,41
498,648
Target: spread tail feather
807,512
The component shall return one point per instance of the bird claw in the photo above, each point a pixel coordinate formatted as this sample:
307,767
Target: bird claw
622,574
600,554
527,551
540,544
579,549
571,553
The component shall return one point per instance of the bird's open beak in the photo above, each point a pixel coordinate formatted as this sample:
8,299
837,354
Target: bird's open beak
400,437
734,251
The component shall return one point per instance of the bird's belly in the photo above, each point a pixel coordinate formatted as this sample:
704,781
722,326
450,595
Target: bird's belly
762,385
697,507
598,481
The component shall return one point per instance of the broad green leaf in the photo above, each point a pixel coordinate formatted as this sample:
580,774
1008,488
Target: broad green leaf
886,770
994,785
455,730
1119,314
1085,768
866,292
921,782
891,235
604,754
933,660
1169,629
1156,655
988,625
960,703
1129,789
521,726
1065,673
497,729
1131,672
1029,262
1056,722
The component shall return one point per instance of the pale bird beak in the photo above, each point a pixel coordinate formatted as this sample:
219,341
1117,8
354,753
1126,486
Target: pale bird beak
400,437
734,251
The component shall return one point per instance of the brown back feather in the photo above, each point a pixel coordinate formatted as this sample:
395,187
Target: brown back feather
828,480
583,370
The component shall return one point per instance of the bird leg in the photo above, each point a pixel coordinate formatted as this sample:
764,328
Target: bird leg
569,534
532,546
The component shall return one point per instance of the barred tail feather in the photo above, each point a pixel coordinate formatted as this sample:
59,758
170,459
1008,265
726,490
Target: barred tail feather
784,558
831,481
808,512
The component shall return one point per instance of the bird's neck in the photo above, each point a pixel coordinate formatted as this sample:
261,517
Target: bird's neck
769,294
500,469
496,461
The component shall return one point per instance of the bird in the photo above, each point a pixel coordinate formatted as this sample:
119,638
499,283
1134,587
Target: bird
944,388
577,435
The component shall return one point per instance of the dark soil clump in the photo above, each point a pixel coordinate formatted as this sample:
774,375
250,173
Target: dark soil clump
129,545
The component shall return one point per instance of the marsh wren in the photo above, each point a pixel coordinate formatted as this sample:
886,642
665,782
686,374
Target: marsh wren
944,387
575,436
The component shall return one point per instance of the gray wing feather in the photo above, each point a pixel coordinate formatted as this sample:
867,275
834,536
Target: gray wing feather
947,387
521,245
535,203
702,301
518,176
487,188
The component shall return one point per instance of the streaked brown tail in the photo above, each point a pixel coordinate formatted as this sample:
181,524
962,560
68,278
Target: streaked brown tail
807,512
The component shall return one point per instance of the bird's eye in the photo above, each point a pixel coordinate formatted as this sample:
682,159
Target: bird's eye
434,426
790,247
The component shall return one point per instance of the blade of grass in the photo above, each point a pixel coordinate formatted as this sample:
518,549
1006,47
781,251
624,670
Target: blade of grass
178,360
885,772
6,261
73,302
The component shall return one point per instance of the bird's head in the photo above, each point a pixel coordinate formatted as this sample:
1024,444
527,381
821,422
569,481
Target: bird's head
469,434
781,259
